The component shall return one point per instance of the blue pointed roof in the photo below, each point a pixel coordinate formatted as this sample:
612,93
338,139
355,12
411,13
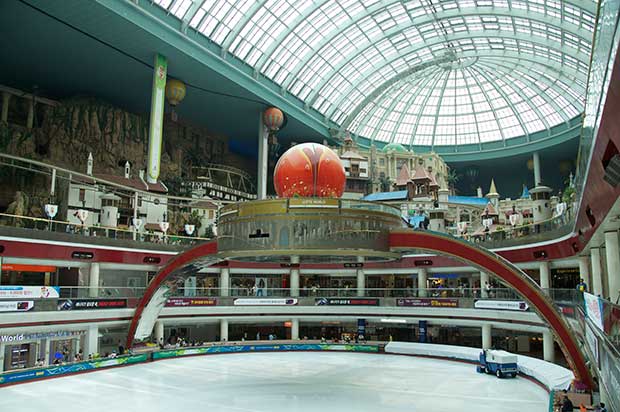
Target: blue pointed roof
526,193
386,196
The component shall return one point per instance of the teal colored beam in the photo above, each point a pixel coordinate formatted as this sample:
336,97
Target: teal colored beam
166,29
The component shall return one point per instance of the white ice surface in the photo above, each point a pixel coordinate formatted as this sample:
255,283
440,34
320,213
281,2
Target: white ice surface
281,382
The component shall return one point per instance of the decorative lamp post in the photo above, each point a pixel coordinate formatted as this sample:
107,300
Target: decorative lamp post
51,211
137,224
164,226
82,215
175,93
273,118
462,227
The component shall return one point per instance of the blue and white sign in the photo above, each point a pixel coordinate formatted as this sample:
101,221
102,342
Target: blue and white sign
33,292
594,309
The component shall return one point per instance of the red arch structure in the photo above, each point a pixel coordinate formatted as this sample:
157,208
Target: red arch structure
511,275
435,243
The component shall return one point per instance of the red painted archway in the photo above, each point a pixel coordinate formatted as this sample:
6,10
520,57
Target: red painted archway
436,243
511,275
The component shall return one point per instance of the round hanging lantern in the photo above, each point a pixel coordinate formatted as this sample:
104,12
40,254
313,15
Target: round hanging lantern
175,91
273,118
309,170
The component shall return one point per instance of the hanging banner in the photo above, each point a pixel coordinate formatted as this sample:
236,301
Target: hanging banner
34,292
157,117
264,302
501,305
16,306
85,304
428,302
594,309
182,302
346,302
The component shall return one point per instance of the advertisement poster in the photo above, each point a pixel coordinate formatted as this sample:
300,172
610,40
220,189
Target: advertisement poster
84,304
346,302
264,302
33,292
182,302
428,302
501,305
594,309
16,306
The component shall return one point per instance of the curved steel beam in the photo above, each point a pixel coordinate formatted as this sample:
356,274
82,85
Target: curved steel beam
426,19
510,275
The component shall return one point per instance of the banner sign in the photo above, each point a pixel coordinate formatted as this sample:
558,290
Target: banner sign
263,348
83,304
429,302
181,302
16,306
18,337
157,115
346,302
592,342
501,305
39,373
34,292
594,309
264,302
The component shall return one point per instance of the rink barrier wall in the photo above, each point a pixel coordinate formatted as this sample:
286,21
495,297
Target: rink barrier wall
25,375
34,374
549,375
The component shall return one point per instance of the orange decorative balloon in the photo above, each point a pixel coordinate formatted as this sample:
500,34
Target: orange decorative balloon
309,170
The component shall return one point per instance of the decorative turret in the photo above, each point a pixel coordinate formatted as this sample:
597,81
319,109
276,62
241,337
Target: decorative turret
89,164
493,196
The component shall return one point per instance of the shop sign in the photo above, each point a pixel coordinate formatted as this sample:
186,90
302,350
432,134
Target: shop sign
428,302
16,306
34,292
11,338
18,337
83,304
501,305
346,302
264,302
180,302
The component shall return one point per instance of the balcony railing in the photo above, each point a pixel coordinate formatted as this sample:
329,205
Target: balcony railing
94,231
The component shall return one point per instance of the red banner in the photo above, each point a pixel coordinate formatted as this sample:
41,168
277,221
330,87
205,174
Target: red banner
180,302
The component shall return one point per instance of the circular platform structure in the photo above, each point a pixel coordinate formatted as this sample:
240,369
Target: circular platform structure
283,382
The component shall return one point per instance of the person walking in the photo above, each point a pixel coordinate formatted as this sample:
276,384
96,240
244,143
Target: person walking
582,286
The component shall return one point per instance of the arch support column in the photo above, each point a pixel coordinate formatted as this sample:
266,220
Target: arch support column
612,253
224,282
597,278
484,279
223,330
422,283
361,278
487,337
548,347
295,276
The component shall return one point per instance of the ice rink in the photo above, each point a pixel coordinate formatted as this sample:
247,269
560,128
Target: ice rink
281,382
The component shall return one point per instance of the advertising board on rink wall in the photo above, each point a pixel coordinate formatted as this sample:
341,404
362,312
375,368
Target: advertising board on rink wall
428,302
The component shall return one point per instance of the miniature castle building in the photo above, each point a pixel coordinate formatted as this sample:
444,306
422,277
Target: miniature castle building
542,207
493,196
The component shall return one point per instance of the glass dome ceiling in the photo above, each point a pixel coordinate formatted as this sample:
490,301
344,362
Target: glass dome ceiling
419,72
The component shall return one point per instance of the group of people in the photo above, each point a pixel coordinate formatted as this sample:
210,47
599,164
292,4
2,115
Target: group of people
566,405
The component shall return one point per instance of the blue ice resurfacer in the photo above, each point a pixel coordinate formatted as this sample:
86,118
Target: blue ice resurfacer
498,362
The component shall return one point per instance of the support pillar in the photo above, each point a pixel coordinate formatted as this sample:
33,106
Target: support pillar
263,158
2,350
159,332
422,283
536,161
294,329
6,99
294,276
584,271
548,347
47,348
597,278
93,280
487,340
135,215
158,99
545,276
224,330
612,252
484,279
91,341
224,282
361,278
